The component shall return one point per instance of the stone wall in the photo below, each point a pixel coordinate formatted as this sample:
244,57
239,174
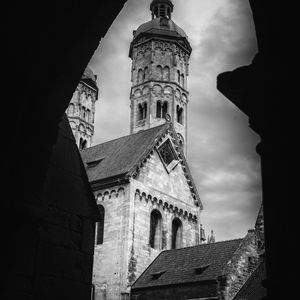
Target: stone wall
159,73
241,266
81,113
110,257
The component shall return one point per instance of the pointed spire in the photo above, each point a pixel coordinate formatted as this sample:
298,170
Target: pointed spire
211,239
202,234
161,8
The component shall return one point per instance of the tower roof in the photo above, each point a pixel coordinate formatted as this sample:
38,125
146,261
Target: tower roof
90,78
161,26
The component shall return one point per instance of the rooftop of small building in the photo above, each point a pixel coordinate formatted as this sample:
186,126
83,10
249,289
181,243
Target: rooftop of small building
199,263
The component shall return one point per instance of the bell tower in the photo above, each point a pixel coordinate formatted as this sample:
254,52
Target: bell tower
81,110
160,54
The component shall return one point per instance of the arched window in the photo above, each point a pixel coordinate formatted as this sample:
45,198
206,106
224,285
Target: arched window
164,109
140,76
161,109
145,111
178,76
100,226
158,109
140,112
179,113
182,80
159,72
176,234
155,230
146,73
166,74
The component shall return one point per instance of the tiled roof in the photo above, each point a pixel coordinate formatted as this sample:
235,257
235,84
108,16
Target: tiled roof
119,156
253,289
181,265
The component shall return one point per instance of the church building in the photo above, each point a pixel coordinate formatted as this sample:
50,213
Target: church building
142,184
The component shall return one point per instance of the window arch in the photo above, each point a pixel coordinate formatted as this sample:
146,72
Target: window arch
140,76
179,114
176,234
100,226
164,109
142,111
166,73
178,76
146,73
155,238
182,80
161,109
158,109
159,72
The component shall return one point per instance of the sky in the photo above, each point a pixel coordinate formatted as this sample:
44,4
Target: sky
221,146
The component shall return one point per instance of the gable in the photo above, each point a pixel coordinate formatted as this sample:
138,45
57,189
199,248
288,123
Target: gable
155,175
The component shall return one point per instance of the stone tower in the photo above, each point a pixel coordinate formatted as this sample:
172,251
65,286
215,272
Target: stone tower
81,110
160,54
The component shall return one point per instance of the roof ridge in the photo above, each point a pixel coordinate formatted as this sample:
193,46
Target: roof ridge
121,137
219,242
153,143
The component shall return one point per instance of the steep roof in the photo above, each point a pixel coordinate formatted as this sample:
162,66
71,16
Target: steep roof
184,265
123,157
119,156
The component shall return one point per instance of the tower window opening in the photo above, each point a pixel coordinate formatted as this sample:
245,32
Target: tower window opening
159,72
166,74
140,76
164,109
145,74
156,11
100,226
182,80
145,111
158,109
176,234
161,109
178,76
140,112
179,112
155,230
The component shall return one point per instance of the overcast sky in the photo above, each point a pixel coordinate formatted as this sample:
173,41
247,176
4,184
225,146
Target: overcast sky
221,146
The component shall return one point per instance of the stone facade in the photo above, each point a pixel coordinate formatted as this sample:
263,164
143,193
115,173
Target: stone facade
160,67
81,110
126,251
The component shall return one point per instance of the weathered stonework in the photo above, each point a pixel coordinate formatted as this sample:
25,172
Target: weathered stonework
126,252
81,110
241,266
160,66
